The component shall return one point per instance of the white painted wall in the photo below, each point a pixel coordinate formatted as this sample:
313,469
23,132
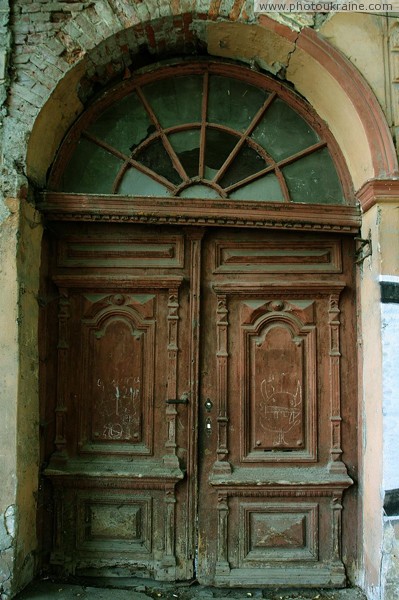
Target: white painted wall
390,387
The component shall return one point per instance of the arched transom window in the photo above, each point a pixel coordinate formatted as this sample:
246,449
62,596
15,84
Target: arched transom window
201,131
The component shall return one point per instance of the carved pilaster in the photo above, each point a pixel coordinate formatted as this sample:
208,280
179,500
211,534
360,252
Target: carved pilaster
169,558
336,509
57,555
222,564
171,458
62,377
336,464
222,465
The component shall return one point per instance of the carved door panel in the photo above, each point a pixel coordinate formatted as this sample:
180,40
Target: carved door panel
258,500
122,469
272,476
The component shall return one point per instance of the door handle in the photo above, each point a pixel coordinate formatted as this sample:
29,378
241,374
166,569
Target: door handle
182,400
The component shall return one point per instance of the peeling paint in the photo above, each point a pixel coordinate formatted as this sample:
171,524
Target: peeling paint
7,535
10,518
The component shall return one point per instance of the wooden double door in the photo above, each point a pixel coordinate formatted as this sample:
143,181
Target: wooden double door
201,393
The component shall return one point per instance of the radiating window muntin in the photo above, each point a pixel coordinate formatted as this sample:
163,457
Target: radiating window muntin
203,135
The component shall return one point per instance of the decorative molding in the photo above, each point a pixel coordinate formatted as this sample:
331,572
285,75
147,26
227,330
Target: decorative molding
127,251
222,464
294,289
113,281
171,459
102,478
169,558
336,464
221,213
281,492
378,191
336,509
222,564
60,441
277,256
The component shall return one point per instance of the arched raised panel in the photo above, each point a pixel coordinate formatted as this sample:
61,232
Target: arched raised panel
117,407
276,390
279,384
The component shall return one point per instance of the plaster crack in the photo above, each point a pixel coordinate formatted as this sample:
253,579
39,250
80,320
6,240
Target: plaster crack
284,69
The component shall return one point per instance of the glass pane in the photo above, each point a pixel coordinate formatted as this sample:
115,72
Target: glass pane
135,183
266,189
199,191
232,102
91,170
186,145
156,158
282,132
247,162
176,100
124,125
314,179
218,146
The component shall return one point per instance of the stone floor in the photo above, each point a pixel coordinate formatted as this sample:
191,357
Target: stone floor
146,590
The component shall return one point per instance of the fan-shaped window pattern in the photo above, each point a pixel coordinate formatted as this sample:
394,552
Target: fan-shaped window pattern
202,135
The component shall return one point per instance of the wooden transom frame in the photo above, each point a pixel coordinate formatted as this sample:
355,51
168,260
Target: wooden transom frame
178,206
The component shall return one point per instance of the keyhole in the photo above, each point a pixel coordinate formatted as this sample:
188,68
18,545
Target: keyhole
208,405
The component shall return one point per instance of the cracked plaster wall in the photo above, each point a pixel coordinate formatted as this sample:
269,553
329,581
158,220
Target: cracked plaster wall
54,57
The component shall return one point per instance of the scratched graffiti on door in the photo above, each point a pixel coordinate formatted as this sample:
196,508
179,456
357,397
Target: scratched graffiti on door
280,410
120,407
278,390
117,384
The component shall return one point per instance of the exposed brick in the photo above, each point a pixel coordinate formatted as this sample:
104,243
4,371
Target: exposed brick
31,8
43,27
53,72
21,27
22,59
103,30
21,110
128,14
84,23
41,89
72,30
164,8
27,95
55,46
56,6
49,58
236,10
104,10
143,12
150,36
214,8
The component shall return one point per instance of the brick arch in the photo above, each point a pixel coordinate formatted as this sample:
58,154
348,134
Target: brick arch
107,40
